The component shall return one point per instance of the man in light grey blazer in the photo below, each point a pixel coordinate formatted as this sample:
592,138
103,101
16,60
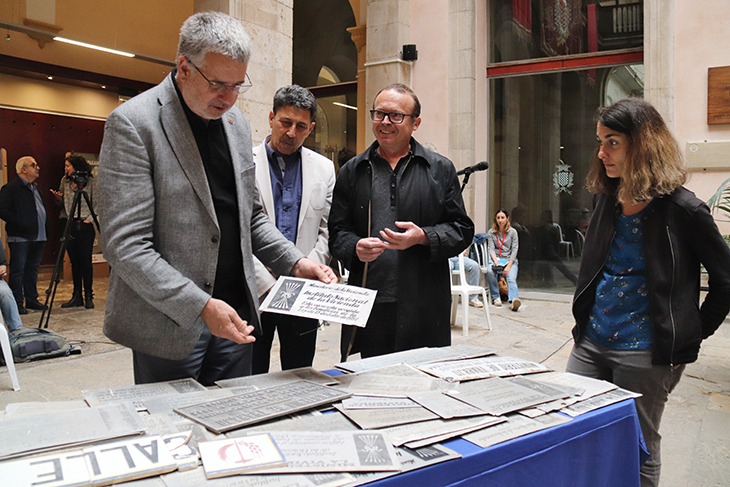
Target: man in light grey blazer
296,190
180,215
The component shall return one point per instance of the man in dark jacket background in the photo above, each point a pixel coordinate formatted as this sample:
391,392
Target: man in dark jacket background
21,206
397,216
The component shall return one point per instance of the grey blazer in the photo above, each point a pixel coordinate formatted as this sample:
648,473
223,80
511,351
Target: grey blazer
158,225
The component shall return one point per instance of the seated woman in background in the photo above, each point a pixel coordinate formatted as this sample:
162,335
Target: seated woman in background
503,245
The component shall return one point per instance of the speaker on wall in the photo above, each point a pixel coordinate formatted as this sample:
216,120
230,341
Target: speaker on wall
409,52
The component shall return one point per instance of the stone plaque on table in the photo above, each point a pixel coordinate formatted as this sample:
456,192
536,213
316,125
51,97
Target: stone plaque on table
334,451
134,394
514,426
599,401
381,418
500,396
101,464
235,456
482,368
415,357
263,381
234,412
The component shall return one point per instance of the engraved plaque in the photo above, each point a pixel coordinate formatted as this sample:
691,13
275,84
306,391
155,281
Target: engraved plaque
718,95
233,412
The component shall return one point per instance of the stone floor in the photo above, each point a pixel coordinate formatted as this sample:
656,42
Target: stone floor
696,426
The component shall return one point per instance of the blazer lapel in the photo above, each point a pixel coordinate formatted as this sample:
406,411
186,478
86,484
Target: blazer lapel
307,169
181,139
237,135
263,180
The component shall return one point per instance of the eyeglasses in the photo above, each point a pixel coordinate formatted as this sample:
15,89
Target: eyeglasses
394,117
220,88
32,164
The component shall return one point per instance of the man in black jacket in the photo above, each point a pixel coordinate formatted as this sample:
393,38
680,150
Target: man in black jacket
397,216
21,206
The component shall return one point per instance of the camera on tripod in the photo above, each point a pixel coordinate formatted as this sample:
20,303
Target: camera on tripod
79,178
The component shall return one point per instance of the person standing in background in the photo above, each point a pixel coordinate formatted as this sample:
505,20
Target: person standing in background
26,224
296,186
81,233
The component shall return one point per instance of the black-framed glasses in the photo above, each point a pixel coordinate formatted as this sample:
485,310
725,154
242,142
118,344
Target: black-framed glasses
32,164
394,117
219,87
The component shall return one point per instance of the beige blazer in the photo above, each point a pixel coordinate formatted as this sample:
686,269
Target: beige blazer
318,182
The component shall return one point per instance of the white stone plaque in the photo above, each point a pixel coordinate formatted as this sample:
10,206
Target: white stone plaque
610,397
516,425
416,356
381,418
340,303
135,393
102,464
482,368
334,451
233,456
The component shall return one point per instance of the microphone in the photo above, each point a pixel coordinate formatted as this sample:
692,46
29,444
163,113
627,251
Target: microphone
482,166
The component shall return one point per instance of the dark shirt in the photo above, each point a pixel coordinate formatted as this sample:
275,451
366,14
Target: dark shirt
383,271
286,188
40,211
230,284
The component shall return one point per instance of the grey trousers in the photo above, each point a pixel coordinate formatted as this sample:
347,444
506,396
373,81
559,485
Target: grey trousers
632,370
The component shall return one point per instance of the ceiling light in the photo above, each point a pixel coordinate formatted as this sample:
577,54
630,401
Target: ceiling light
49,77
92,46
103,87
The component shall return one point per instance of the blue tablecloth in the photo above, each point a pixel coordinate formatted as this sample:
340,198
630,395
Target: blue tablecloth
600,448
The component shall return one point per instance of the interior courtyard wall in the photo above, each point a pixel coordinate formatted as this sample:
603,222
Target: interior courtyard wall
430,34
694,54
269,23
388,28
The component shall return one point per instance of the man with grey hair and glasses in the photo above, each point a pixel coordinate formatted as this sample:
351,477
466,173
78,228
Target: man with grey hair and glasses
181,217
296,190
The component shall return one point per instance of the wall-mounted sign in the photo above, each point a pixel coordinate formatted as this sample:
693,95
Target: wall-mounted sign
718,95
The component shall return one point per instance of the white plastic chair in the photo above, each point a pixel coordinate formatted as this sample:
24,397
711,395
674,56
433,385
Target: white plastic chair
8,354
485,263
463,290
565,244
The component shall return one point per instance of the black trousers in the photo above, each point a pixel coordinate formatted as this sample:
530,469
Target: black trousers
297,340
213,359
79,248
378,336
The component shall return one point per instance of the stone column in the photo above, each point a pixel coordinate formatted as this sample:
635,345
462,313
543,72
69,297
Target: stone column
659,57
462,89
359,37
270,25
388,29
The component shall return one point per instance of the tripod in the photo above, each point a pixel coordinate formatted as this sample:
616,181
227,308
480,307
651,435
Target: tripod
55,277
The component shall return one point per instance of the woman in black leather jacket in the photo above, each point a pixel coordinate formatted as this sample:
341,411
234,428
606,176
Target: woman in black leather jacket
636,305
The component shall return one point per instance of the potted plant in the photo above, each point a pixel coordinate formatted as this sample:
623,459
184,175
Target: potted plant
720,202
